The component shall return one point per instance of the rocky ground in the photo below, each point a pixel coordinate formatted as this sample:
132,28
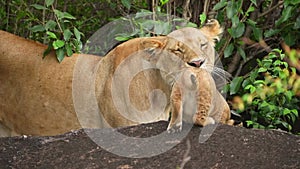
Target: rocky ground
227,147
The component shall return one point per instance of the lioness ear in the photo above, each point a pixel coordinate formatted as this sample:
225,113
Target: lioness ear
212,30
151,43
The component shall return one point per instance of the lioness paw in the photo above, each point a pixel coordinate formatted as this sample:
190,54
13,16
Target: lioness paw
175,128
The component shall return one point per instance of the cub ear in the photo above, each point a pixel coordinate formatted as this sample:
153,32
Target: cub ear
212,30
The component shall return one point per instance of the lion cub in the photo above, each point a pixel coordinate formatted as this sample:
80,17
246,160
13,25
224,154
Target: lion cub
195,99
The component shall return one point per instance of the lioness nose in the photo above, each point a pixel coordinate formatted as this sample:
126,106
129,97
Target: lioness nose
196,63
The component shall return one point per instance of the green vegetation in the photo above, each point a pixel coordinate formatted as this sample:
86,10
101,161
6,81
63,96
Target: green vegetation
269,93
59,36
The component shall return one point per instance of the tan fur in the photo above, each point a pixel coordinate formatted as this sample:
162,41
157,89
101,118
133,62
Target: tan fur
202,41
36,94
195,99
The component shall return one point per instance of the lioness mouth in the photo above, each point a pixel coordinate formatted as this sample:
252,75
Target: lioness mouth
196,63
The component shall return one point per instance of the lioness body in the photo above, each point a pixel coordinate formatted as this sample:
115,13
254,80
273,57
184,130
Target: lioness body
36,94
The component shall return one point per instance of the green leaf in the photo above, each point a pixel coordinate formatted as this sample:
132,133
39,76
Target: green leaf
220,5
39,7
49,2
286,111
259,82
191,24
292,2
67,34
202,18
251,88
58,44
231,9
238,31
250,9
122,38
285,15
69,49
295,112
68,16
59,14
262,69
162,28
51,35
271,32
60,55
126,3
228,50
249,123
77,34
254,2
50,25
37,28
257,33
143,14
241,52
235,21
163,2
251,22
78,46
289,39
235,85
47,51
297,23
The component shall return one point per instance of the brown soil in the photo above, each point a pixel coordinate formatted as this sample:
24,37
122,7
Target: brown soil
228,147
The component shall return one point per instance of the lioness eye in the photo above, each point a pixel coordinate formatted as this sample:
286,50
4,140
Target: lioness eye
203,46
150,51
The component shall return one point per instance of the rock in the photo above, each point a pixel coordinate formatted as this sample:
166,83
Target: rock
227,147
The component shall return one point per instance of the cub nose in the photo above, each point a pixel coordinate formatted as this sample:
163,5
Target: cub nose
196,63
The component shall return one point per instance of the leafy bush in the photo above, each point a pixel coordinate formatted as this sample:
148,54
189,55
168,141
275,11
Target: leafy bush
146,23
60,36
268,94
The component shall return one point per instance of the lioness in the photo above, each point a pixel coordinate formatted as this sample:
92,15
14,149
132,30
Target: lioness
36,94
195,99
132,84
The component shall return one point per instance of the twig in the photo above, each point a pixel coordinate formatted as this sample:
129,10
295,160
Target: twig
206,6
56,19
271,9
186,156
186,11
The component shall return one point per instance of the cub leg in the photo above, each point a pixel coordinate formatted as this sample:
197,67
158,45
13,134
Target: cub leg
175,124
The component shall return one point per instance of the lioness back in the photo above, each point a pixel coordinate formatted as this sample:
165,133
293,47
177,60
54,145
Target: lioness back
35,93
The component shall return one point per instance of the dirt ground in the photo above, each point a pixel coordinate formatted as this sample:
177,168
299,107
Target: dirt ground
228,147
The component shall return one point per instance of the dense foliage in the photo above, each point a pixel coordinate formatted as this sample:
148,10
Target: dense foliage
259,47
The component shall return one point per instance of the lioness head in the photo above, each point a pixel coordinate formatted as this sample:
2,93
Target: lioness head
202,41
169,55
